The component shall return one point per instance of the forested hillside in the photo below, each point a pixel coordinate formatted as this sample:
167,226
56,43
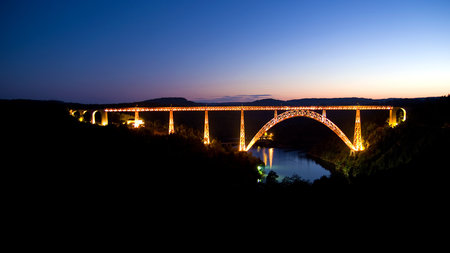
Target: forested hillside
55,152
415,153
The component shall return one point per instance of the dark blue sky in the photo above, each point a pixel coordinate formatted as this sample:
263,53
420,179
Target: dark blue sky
123,51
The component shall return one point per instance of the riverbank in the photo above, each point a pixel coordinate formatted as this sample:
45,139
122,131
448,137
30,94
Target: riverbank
330,166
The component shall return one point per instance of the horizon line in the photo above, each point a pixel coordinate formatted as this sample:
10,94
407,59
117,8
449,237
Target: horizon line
200,100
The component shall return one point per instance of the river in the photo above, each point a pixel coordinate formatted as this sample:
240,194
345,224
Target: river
289,162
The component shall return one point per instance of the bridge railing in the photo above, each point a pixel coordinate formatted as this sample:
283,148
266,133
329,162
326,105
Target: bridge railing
248,108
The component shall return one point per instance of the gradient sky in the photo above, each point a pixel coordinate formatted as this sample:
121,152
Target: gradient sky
124,51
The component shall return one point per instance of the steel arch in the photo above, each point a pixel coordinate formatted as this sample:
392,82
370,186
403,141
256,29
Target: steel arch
301,113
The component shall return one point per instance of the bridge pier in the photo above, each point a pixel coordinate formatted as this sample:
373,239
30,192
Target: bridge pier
357,139
242,134
206,131
104,118
93,117
81,112
81,116
171,128
136,119
393,120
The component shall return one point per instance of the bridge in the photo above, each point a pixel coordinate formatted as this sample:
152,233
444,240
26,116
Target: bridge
288,112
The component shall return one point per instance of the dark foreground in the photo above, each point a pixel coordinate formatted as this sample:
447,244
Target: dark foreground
59,167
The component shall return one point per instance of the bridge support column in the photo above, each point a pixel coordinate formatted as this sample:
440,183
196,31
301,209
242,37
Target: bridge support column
393,117
275,114
104,118
394,120
357,139
136,119
93,117
324,113
206,132
242,134
171,128
82,112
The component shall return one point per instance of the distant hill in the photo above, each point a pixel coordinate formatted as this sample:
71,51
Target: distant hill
267,102
331,101
167,101
303,102
157,102
179,101
313,101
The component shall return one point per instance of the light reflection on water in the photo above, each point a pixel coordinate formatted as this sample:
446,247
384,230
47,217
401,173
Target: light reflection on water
287,163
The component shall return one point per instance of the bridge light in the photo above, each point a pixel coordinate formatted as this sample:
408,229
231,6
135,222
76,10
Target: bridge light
290,111
135,123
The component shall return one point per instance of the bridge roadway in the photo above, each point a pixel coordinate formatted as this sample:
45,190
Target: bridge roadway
247,108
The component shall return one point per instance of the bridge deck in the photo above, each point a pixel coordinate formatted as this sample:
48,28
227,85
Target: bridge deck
248,108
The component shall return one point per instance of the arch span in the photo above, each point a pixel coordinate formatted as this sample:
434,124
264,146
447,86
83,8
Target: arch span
301,113
93,116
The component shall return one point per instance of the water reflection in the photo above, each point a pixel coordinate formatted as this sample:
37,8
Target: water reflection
287,163
270,153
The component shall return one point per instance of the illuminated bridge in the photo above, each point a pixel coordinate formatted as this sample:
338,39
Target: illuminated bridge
287,113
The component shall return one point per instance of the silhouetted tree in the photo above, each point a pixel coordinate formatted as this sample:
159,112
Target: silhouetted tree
271,178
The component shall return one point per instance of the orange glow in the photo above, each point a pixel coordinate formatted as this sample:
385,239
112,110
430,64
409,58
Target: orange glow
290,111
206,131
242,133
270,157
135,123
300,113
247,108
171,127
357,139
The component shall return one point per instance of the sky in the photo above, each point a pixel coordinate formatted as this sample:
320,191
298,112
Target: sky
127,51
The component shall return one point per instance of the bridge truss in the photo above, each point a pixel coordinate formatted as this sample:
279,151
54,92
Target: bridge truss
301,113
289,112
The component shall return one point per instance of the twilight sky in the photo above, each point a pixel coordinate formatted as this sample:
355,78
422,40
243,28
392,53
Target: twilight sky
123,51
